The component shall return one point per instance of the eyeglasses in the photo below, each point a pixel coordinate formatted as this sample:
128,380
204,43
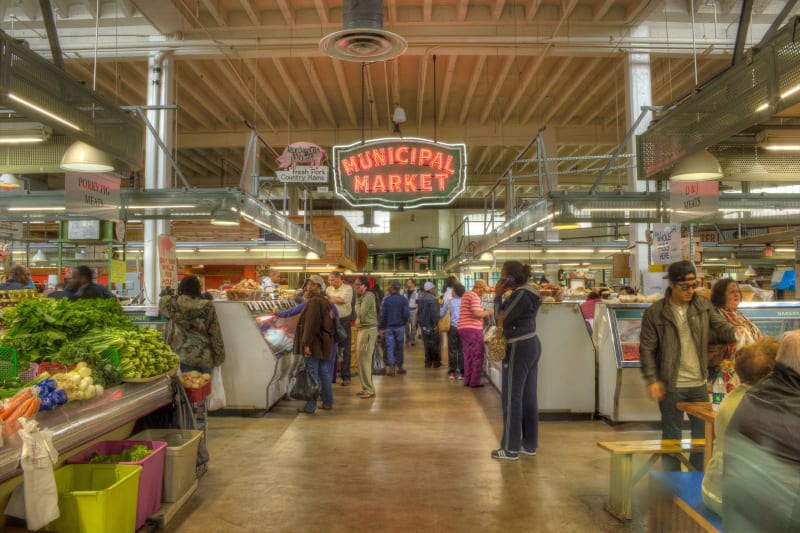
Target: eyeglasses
687,286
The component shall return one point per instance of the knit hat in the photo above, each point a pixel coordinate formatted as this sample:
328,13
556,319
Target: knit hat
396,285
428,286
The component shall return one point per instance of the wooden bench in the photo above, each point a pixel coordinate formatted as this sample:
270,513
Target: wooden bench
622,478
676,504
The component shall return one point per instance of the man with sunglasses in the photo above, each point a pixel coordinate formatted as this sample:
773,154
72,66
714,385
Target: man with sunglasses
673,348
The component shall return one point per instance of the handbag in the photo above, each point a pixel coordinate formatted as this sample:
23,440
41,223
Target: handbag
339,333
444,322
304,386
496,343
378,366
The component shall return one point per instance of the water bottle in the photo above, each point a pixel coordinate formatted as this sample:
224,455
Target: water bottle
717,392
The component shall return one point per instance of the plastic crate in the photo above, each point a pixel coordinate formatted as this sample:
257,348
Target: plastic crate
8,362
112,355
180,465
29,374
151,480
96,498
198,395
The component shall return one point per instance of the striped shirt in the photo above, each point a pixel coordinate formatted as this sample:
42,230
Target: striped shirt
470,303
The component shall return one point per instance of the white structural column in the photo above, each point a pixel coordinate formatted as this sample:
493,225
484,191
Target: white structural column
638,93
156,165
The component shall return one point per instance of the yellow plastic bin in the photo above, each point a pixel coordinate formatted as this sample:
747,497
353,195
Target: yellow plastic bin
97,498
180,465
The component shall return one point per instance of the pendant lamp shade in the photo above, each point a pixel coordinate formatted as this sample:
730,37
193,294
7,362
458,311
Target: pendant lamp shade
750,272
700,166
39,256
9,181
81,157
312,255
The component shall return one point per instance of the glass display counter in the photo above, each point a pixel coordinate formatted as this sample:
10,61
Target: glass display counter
622,394
566,376
255,376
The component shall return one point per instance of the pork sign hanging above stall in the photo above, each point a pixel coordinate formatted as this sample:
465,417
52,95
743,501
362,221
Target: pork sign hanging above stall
397,173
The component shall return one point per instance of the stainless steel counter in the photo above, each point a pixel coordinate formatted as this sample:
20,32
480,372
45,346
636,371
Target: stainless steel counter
77,423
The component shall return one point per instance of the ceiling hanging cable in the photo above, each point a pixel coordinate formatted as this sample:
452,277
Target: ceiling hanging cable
435,110
363,101
694,47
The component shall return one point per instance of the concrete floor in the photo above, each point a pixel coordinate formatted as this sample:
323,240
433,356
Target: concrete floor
415,458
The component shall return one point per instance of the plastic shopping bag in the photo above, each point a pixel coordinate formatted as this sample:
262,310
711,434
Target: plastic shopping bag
303,385
216,399
37,497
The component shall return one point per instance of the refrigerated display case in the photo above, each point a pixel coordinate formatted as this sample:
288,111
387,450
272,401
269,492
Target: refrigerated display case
622,392
566,374
254,376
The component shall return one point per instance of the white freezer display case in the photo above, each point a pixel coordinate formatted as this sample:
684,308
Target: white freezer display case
621,390
253,376
566,374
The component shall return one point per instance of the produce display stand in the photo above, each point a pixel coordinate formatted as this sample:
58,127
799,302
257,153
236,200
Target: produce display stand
566,373
253,377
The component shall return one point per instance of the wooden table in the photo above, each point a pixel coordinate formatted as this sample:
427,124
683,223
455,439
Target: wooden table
704,412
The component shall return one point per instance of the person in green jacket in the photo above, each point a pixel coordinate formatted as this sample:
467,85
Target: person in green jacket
367,327
192,329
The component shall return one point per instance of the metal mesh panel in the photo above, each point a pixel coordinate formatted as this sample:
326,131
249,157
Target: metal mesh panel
34,158
609,207
747,163
65,104
741,97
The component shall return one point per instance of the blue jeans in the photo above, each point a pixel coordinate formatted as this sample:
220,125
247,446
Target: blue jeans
672,424
319,369
394,346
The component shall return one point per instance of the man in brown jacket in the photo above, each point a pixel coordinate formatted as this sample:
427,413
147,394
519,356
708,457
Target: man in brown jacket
673,347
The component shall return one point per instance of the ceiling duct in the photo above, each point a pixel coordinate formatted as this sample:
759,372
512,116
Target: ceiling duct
363,37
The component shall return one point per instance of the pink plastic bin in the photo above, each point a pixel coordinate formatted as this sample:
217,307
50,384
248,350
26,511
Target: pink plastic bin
151,480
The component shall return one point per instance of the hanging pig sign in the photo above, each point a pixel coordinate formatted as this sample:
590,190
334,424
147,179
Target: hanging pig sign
301,153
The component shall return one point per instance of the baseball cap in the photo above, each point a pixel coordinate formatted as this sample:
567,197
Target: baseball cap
318,280
428,286
396,285
678,271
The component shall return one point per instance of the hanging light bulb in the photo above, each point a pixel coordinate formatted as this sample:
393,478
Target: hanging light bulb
81,157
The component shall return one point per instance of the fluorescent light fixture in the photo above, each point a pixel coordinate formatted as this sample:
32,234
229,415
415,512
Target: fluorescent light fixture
779,139
165,206
223,222
222,250
185,250
9,182
274,249
787,94
82,157
18,132
37,208
762,107
43,111
784,250
570,251
699,166
617,209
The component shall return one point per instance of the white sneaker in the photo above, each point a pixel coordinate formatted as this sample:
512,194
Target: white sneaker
525,451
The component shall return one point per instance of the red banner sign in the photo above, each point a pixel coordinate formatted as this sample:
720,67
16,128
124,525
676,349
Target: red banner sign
399,172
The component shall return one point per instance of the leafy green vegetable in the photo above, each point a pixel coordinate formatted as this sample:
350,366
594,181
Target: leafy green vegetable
134,454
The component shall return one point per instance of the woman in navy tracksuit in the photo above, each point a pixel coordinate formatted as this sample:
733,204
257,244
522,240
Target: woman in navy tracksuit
520,408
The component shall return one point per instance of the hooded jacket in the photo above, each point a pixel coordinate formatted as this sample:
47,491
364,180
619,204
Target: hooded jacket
315,329
193,330
519,312
659,340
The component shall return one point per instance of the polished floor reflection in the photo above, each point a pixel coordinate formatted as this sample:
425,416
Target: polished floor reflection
414,458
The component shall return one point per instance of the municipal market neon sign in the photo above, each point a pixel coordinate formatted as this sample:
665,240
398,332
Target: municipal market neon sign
396,173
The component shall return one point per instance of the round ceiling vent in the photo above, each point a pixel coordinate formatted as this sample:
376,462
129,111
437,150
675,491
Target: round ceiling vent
363,44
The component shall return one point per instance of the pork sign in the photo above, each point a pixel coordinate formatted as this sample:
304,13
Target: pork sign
396,173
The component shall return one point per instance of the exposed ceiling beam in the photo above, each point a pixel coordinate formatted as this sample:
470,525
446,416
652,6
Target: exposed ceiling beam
497,9
477,71
241,89
90,6
479,165
341,80
522,87
392,10
294,90
497,84
266,86
219,91
461,10
251,13
285,11
191,88
322,11
513,135
427,8
531,9
319,90
589,67
552,79
601,7
597,85
216,11
566,12
445,92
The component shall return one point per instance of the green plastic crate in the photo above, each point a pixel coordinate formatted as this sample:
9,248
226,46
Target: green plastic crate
8,362
97,498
